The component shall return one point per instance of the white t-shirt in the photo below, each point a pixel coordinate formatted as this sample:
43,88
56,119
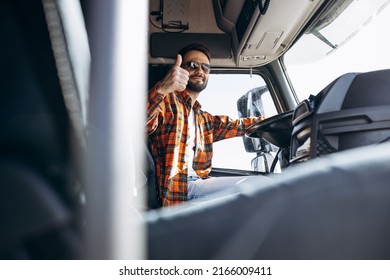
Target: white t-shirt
191,142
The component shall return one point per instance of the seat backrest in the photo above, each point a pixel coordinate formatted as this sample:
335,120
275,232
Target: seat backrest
153,197
336,207
352,111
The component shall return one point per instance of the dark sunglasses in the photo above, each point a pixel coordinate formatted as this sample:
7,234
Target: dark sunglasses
193,65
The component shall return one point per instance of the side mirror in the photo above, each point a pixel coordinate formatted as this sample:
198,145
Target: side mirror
251,105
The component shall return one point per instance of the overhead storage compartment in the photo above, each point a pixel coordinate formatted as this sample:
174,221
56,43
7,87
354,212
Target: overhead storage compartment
261,30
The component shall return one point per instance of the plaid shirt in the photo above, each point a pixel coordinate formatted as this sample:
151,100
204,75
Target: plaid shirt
167,127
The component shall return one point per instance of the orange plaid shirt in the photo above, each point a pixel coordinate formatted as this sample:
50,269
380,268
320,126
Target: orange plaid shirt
167,128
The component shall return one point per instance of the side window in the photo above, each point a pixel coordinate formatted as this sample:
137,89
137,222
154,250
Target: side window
221,98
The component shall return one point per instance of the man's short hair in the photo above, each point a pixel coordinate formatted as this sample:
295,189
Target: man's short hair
195,47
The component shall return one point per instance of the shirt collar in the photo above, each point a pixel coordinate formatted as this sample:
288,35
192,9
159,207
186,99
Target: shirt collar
186,98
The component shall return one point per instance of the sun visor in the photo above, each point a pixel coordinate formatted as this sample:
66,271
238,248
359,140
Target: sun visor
167,45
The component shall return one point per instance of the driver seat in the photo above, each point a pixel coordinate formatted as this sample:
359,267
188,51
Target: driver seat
153,197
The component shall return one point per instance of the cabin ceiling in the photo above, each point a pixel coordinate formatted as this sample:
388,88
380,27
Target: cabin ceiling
237,33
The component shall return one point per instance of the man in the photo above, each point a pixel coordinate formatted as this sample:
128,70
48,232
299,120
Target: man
181,135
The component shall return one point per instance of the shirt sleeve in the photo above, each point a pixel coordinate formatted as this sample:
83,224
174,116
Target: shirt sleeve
225,127
154,108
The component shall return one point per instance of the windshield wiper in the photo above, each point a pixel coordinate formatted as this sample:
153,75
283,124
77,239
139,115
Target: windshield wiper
323,39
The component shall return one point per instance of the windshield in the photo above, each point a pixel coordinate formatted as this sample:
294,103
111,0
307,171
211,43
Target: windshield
351,36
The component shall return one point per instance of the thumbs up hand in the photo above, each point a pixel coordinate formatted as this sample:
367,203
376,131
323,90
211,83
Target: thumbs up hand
175,80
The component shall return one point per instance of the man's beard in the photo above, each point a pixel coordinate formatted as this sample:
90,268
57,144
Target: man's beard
197,86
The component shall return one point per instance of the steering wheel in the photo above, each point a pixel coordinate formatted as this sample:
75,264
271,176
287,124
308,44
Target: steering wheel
276,130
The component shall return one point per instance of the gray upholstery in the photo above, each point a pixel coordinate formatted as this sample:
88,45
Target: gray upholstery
335,207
